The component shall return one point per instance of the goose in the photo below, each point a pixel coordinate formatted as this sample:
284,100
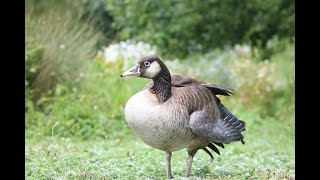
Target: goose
174,112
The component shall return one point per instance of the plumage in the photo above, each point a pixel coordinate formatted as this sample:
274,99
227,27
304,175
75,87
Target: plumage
174,112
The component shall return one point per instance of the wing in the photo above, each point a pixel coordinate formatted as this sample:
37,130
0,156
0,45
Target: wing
216,89
179,81
224,128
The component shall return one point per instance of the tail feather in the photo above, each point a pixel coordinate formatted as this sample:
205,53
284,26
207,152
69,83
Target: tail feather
231,125
214,148
208,152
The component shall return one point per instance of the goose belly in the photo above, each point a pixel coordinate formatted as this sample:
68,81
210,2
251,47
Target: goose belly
162,126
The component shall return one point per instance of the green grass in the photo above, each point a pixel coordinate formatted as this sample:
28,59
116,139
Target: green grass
267,154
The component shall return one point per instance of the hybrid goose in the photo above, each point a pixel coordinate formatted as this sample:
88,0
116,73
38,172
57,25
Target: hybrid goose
173,112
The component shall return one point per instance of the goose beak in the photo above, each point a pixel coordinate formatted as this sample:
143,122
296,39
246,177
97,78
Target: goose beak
134,71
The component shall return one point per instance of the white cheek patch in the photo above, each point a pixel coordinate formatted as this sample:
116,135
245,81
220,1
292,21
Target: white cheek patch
153,70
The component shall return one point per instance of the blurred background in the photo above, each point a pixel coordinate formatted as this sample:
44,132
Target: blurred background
76,50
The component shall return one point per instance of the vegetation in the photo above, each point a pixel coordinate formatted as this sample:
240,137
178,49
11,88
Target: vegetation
266,155
57,49
74,98
180,28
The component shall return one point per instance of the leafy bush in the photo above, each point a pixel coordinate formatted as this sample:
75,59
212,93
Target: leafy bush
253,82
33,56
57,49
180,28
83,11
266,86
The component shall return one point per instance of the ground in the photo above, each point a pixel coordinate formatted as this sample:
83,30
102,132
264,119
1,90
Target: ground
267,154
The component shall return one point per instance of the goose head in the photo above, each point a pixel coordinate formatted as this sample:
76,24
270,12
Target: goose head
149,67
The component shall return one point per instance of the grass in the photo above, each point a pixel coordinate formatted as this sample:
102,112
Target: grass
267,154
58,46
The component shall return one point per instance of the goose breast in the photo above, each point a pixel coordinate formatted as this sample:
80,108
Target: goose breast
163,126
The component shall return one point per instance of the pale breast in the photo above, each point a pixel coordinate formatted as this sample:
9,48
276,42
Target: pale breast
162,126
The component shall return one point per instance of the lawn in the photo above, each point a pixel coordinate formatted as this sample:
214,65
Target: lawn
267,154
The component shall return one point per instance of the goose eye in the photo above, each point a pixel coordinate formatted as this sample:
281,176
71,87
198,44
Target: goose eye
146,63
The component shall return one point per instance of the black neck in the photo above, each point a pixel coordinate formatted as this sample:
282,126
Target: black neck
162,86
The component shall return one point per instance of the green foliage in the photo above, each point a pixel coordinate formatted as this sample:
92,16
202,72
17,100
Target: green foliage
95,12
33,55
92,109
90,11
284,81
57,49
180,28
267,85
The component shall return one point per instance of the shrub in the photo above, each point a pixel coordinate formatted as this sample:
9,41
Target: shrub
84,11
253,82
181,28
57,49
267,86
32,57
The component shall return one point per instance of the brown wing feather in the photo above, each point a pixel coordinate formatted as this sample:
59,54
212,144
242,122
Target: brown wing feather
179,81
224,129
216,89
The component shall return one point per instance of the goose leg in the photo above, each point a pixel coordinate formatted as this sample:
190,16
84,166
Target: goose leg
189,160
168,159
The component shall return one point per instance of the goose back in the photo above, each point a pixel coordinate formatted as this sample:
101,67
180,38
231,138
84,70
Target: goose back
180,81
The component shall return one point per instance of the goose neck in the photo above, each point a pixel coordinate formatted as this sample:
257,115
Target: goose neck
162,87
